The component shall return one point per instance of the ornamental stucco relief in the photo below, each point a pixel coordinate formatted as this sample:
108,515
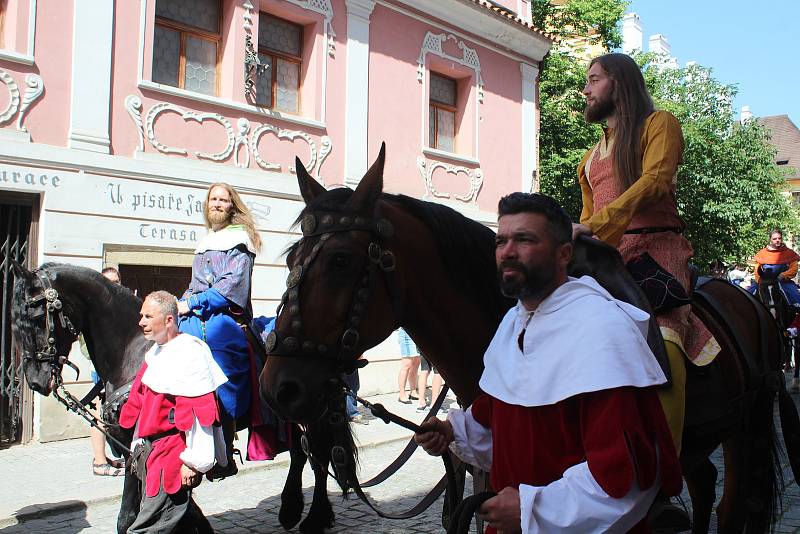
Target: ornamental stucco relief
475,177
240,142
188,115
35,88
433,44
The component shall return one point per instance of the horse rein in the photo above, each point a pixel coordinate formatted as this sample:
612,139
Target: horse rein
54,313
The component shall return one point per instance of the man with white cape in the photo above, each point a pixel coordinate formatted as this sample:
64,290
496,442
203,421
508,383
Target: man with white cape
569,424
173,406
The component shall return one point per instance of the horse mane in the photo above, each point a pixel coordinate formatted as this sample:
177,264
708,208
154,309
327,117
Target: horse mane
126,305
467,249
466,246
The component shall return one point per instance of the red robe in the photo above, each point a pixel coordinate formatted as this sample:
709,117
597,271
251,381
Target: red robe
613,430
152,410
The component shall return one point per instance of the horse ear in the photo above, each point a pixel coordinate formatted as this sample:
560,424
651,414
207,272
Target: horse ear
370,187
309,187
19,270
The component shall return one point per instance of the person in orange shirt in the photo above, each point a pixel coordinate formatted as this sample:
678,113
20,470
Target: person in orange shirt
777,257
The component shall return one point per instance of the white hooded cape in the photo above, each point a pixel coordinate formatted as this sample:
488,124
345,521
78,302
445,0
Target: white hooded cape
183,366
580,339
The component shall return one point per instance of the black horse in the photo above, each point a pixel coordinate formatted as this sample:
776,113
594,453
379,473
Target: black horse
55,303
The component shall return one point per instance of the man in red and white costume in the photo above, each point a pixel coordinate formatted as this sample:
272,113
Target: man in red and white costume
569,425
172,400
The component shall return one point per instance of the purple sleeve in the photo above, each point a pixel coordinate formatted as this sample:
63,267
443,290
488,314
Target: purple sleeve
232,281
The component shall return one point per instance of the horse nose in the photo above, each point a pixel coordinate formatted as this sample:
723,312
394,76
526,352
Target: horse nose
289,393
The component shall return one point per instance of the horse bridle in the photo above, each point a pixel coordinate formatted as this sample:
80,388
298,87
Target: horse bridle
325,225
54,314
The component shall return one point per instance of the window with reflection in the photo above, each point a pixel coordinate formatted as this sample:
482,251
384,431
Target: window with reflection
280,45
442,113
186,44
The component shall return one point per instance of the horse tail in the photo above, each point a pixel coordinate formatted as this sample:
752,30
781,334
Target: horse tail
790,427
763,478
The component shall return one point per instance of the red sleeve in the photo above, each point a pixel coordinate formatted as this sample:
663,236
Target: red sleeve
130,410
203,407
620,429
482,410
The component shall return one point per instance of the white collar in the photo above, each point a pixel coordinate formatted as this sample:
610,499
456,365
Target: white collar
579,339
225,239
182,366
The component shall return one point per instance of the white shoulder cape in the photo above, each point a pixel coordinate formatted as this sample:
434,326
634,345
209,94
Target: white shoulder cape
225,239
580,339
183,366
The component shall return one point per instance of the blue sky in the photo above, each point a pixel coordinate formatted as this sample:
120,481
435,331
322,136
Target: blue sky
751,44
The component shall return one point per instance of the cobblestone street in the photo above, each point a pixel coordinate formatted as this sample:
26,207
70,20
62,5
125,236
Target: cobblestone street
249,503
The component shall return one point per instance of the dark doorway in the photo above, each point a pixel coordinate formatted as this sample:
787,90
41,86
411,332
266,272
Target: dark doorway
16,218
143,279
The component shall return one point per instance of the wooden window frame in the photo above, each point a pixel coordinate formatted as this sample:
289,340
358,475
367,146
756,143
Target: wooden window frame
185,30
275,54
444,107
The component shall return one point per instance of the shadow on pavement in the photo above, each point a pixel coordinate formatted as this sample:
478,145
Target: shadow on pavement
39,517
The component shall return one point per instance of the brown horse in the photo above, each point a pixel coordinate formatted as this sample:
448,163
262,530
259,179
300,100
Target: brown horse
369,262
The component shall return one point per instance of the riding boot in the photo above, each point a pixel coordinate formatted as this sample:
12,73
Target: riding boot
664,515
219,472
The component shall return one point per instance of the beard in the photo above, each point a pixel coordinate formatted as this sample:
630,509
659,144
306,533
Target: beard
599,111
219,217
529,282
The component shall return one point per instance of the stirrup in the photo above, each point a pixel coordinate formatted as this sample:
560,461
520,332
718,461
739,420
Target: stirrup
664,516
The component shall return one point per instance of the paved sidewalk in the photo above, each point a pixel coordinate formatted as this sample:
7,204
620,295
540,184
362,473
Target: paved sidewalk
48,478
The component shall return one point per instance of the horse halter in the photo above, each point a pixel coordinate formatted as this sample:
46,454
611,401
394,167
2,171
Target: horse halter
325,224
54,312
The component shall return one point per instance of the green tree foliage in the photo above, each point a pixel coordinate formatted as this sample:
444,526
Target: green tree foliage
730,190
564,136
729,187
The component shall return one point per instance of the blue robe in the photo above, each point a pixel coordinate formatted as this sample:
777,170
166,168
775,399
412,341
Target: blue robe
219,293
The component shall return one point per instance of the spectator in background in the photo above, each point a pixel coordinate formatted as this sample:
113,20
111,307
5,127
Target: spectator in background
425,369
102,465
409,365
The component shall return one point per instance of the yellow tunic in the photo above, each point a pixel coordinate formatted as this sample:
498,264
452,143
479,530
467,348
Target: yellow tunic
662,147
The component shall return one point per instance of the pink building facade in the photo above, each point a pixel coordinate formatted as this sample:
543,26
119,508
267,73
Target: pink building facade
116,115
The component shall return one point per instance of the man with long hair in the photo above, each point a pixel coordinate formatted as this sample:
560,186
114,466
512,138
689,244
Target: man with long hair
628,186
217,307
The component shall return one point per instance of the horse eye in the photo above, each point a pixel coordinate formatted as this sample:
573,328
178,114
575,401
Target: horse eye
340,261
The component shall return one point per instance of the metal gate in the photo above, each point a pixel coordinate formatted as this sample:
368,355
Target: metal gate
15,223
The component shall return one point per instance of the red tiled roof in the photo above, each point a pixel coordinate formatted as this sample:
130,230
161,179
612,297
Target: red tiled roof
786,139
500,12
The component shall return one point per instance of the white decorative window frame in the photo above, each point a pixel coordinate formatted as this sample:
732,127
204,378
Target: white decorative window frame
324,8
317,6
19,106
475,176
242,138
432,44
27,57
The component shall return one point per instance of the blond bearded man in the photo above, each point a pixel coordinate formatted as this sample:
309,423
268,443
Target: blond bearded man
217,303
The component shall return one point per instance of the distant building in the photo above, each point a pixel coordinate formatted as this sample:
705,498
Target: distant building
786,139
633,38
